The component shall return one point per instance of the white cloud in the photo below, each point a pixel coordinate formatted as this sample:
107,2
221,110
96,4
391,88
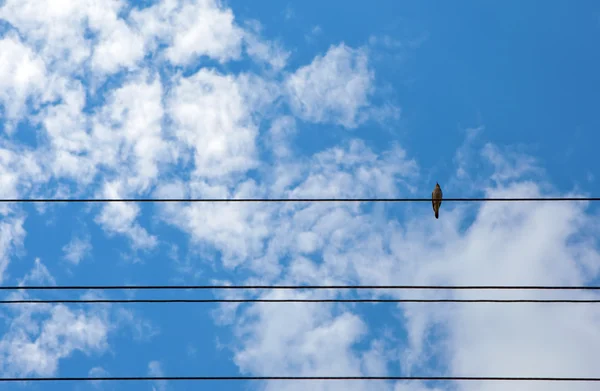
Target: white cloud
305,340
212,118
31,347
272,53
120,217
268,52
98,372
236,231
69,142
58,28
508,164
333,88
128,130
155,370
204,28
354,169
38,275
119,46
239,232
77,249
12,235
39,336
191,29
308,242
124,138
24,77
281,131
20,172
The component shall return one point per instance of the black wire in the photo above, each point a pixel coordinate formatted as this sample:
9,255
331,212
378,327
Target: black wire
25,200
218,378
289,287
98,301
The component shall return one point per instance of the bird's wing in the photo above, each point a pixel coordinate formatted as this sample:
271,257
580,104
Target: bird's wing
433,200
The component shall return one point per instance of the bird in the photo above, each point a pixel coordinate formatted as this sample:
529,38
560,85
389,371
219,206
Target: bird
436,199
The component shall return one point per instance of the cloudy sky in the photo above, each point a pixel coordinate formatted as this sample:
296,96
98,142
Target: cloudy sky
223,99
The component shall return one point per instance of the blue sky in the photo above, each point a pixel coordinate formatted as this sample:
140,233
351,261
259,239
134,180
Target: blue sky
191,98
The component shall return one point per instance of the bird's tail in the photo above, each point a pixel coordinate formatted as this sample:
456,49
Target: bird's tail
437,214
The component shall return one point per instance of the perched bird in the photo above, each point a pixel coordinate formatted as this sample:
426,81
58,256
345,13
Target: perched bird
436,199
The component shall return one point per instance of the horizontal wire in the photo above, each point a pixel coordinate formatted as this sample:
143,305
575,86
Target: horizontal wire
29,200
291,287
98,301
220,378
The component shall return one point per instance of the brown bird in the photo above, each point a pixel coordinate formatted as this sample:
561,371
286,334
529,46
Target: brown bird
436,199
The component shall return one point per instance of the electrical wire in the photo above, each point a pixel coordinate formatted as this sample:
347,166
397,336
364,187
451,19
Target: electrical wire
106,301
78,200
294,287
246,378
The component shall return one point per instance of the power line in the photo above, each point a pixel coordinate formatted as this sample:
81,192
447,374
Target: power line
246,378
63,200
293,287
105,301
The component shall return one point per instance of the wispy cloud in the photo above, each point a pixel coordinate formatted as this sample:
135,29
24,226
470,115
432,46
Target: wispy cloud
77,249
12,235
333,88
155,370
39,337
